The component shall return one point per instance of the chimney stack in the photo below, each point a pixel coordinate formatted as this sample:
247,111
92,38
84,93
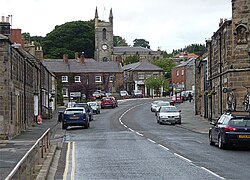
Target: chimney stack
65,58
76,55
82,58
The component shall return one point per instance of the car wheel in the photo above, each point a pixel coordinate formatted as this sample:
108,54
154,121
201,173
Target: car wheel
211,140
220,143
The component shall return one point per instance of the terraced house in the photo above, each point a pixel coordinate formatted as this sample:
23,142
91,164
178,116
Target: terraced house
26,86
229,61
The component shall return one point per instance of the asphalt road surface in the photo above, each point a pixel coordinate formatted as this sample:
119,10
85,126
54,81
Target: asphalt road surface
127,143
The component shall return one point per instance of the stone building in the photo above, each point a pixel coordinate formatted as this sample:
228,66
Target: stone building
201,83
82,76
229,60
135,75
105,51
25,85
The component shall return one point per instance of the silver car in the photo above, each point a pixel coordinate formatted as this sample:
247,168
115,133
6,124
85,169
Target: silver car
168,115
154,104
95,107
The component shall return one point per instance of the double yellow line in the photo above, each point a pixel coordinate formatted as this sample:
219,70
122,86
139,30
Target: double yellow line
71,147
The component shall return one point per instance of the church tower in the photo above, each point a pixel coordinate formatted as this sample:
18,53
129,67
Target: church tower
103,38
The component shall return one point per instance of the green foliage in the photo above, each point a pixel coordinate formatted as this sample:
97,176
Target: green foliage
155,83
198,49
142,43
71,37
119,41
165,64
131,59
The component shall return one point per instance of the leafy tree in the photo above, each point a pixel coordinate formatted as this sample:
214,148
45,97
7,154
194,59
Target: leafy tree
142,43
155,83
131,59
71,37
119,41
198,49
166,65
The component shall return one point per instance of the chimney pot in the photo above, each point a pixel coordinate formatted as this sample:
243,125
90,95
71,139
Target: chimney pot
82,58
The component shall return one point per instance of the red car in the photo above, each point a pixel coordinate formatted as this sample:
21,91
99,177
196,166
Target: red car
177,98
108,102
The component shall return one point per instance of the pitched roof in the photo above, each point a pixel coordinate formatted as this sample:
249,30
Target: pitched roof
189,62
75,66
142,66
122,49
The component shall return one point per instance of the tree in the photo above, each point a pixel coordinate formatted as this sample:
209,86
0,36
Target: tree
71,37
166,65
142,43
155,83
131,59
119,41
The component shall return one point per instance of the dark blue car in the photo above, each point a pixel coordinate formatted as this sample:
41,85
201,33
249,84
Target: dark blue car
230,130
75,116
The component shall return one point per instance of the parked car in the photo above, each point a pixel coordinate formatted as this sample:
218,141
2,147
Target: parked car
154,104
75,116
97,95
230,130
124,94
177,99
108,102
95,107
168,115
160,104
88,109
137,94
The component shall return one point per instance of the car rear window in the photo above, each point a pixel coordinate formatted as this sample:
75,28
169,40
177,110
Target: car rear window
107,99
74,111
240,122
169,109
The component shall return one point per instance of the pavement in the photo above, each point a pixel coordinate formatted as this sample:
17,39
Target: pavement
12,151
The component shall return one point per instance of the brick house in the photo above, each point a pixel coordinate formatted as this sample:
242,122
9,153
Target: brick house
183,75
85,75
25,86
229,59
136,73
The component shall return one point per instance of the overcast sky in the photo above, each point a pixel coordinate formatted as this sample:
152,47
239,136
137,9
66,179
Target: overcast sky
168,24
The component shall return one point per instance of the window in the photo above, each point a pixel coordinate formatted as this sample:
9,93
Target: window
77,79
104,31
98,79
177,73
64,78
155,75
148,76
65,92
111,78
182,72
140,75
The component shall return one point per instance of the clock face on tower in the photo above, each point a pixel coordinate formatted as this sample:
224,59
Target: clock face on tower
104,46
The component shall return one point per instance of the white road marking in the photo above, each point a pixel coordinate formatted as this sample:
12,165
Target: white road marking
139,134
151,140
182,157
163,147
212,173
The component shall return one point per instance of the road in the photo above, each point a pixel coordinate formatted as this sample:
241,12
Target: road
127,143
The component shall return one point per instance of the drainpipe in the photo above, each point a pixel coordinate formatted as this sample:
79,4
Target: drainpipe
209,42
220,59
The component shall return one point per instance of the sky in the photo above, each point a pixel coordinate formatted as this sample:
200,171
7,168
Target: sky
165,24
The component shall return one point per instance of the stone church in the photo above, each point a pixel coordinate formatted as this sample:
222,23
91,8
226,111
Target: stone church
105,51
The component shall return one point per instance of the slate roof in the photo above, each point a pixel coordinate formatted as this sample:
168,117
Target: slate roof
189,62
122,49
75,66
3,37
142,66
